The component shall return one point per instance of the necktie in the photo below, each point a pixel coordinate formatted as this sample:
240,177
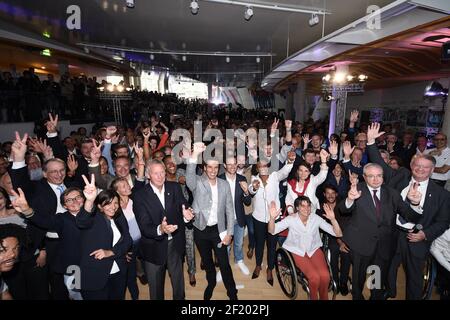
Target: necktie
61,188
377,204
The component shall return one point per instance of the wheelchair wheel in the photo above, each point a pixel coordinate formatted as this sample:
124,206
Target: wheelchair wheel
429,275
286,273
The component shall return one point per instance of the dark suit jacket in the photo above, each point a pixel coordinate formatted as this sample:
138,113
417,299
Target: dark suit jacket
435,218
149,214
239,199
68,250
96,233
42,199
364,233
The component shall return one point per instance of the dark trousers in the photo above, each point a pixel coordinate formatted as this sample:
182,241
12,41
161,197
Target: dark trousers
132,273
359,272
58,290
26,281
339,272
394,264
413,268
250,231
113,290
263,236
206,241
443,282
156,275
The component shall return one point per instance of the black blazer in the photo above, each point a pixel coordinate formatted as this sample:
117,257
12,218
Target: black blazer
435,218
96,233
364,232
239,199
149,214
68,249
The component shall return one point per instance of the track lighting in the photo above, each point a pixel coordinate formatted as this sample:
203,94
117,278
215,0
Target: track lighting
248,13
194,7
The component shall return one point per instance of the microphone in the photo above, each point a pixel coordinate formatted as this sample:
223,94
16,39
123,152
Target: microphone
418,227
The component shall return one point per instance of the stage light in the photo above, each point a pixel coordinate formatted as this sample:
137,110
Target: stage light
110,88
349,78
227,59
339,77
258,59
326,78
435,89
194,7
314,20
152,57
130,4
120,88
183,58
362,77
248,13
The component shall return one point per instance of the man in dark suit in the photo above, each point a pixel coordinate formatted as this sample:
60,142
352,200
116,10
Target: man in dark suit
371,227
412,244
44,197
239,192
160,210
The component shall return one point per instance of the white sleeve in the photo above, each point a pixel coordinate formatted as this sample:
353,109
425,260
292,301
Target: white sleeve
436,250
282,225
325,226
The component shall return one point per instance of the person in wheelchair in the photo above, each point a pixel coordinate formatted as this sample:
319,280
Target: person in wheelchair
304,242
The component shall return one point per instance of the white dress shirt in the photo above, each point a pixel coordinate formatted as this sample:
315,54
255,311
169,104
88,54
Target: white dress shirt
303,239
440,249
160,195
232,184
116,238
212,220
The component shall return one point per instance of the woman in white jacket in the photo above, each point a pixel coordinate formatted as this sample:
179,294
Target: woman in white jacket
304,184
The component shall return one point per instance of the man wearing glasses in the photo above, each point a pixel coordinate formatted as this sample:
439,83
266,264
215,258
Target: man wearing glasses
373,208
441,153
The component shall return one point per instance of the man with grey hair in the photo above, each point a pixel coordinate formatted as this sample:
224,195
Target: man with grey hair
412,242
161,213
373,208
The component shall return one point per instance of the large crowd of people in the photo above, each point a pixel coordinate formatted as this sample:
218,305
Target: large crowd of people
100,210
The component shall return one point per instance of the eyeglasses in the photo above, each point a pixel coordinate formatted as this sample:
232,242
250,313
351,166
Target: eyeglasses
62,171
71,200
373,176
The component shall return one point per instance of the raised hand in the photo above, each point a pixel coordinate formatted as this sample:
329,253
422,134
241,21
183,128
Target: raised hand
146,133
354,116
414,196
72,163
255,185
306,140
20,203
324,155
90,190
353,178
329,212
47,151
353,193
348,149
52,123
19,147
188,213
274,212
199,147
373,132
274,126
139,152
333,148
291,156
110,131
96,151
244,186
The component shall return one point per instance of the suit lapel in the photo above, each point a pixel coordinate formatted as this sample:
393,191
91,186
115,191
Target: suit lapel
154,199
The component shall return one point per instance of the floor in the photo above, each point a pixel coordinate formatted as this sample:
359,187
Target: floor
248,288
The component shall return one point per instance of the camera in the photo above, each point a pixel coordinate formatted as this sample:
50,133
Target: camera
130,4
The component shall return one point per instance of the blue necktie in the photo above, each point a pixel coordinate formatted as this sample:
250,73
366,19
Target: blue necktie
61,189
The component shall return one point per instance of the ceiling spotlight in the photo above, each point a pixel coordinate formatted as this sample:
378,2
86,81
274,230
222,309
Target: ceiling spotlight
258,59
248,13
362,77
130,4
152,57
339,77
183,58
194,7
326,78
349,77
314,19
227,59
